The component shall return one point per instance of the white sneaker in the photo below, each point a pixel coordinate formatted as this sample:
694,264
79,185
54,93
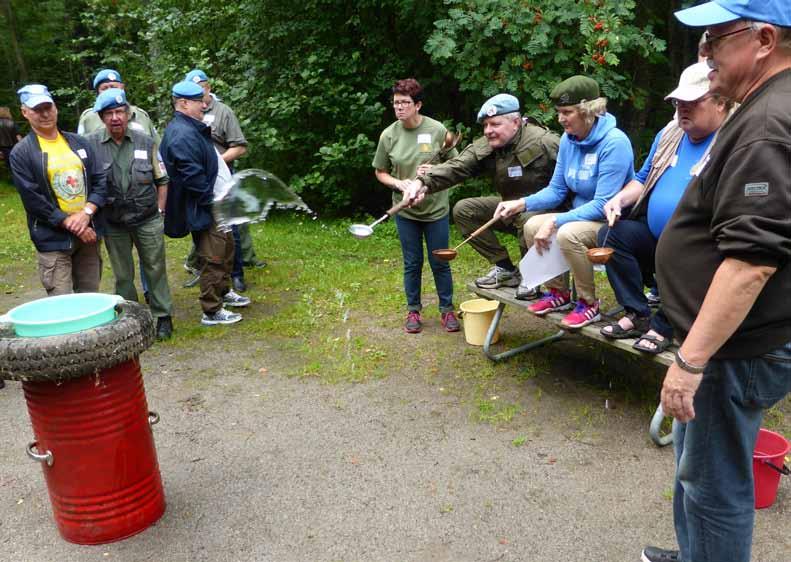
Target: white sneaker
222,316
232,298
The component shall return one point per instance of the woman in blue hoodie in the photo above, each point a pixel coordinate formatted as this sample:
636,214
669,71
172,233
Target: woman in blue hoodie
595,160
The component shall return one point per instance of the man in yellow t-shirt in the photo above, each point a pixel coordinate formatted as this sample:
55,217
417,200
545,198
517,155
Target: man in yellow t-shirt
62,187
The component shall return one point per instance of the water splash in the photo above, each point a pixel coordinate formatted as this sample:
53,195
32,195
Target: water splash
251,194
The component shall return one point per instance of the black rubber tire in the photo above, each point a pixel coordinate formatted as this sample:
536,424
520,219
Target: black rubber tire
55,358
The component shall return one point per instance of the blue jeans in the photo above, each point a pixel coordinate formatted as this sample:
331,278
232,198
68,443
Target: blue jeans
631,267
713,504
437,235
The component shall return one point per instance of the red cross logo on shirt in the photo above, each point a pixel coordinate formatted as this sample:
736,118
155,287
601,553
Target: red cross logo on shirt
72,181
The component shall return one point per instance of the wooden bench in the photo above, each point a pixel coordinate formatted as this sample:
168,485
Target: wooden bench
506,296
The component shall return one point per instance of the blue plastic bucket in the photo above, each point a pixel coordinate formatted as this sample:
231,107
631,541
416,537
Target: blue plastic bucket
63,314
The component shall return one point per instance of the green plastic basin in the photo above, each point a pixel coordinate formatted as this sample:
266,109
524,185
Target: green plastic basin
63,314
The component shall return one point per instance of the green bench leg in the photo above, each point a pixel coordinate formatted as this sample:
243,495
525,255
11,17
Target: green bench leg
655,429
517,350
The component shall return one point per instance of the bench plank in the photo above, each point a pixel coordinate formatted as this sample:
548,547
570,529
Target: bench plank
508,296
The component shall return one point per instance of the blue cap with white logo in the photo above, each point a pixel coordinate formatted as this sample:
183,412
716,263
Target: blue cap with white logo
106,75
110,99
498,105
196,75
33,95
776,12
187,90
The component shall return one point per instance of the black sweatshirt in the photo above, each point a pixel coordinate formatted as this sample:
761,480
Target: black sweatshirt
738,207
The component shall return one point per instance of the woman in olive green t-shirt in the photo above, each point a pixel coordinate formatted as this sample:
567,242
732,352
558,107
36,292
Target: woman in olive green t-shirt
403,150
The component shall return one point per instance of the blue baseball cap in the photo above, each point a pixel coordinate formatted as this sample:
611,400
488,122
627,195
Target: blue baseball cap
33,95
110,99
776,12
498,105
187,90
196,75
106,75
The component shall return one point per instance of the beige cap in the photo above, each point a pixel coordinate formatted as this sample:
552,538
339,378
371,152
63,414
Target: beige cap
693,84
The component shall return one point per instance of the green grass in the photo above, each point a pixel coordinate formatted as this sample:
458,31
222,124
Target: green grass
332,307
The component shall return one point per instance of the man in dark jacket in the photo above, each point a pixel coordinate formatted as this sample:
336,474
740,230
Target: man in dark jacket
136,195
724,276
62,187
196,172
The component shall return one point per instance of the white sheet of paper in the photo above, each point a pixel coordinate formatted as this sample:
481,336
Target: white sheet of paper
537,269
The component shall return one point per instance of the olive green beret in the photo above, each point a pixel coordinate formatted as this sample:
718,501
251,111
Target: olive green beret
575,90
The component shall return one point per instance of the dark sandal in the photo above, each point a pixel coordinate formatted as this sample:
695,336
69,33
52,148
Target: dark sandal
639,326
661,345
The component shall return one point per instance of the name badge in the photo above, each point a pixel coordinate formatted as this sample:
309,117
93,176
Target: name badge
674,161
141,155
590,159
136,126
515,171
208,119
424,138
81,153
162,169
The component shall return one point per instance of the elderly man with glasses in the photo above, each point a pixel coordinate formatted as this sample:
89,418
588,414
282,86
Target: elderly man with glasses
724,275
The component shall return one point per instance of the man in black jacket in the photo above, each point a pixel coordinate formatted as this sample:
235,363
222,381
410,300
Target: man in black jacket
62,187
196,174
724,276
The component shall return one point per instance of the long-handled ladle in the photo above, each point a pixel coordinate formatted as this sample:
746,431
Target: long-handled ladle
448,254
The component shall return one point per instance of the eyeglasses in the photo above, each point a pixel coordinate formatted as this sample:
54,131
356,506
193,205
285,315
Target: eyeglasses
709,41
677,103
402,103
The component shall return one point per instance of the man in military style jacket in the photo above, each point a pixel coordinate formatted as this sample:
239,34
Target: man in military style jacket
520,157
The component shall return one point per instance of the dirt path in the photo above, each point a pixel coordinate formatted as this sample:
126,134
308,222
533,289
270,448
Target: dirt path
259,466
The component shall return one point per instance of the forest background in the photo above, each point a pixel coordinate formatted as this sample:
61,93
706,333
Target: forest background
310,81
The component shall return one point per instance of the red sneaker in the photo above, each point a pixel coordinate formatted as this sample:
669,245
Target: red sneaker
414,324
583,315
550,302
450,322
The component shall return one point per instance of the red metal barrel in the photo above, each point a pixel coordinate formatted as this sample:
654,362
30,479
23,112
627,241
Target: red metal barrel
104,480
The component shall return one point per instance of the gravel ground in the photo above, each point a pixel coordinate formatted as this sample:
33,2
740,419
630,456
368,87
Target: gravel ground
258,466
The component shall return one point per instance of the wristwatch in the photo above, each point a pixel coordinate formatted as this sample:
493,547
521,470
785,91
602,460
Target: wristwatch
688,367
88,211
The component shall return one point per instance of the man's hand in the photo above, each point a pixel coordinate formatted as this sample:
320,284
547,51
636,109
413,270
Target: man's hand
401,185
422,169
414,192
541,239
678,393
76,223
88,236
612,210
506,209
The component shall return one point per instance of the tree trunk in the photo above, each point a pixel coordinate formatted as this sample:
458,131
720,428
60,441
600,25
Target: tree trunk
8,13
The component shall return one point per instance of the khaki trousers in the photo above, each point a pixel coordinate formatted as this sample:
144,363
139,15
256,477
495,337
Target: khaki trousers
574,238
148,239
215,249
78,270
472,213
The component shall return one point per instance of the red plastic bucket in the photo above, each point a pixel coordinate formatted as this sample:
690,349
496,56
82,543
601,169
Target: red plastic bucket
770,450
94,437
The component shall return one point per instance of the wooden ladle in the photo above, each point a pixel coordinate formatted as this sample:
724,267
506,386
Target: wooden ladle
448,254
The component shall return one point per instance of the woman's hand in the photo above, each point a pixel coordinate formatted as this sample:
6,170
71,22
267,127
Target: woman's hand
400,185
612,210
545,232
414,192
506,209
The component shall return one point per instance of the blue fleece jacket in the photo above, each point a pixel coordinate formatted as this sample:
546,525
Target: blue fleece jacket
593,169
